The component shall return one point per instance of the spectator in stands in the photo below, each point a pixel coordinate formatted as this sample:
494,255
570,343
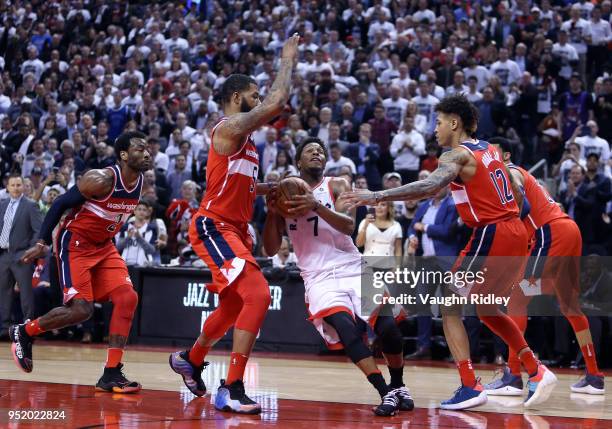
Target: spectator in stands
137,239
336,161
433,234
590,142
365,156
585,198
335,138
383,130
283,165
576,107
406,149
381,236
178,176
285,256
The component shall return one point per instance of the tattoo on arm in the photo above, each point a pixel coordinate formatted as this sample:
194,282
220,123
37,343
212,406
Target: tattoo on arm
448,169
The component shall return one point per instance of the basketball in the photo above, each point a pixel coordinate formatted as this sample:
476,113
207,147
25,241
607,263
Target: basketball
287,189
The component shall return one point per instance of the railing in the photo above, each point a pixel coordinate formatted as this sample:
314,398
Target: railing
541,164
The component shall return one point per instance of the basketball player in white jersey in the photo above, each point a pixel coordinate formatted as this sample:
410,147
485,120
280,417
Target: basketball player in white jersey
331,267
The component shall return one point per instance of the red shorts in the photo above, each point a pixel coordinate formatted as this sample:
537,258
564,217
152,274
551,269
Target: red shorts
225,249
497,251
555,257
87,270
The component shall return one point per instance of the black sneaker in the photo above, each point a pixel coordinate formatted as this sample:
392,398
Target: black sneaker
192,375
233,398
21,347
405,399
389,406
113,380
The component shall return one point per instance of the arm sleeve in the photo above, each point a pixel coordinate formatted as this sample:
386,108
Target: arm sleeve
72,198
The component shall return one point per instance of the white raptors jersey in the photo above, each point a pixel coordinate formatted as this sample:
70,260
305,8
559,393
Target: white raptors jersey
319,247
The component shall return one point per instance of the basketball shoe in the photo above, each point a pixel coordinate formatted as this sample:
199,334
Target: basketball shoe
508,385
389,406
113,380
233,398
192,375
406,403
592,384
540,386
21,347
466,397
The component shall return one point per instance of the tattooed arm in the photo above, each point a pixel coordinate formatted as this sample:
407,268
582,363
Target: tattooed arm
449,167
231,134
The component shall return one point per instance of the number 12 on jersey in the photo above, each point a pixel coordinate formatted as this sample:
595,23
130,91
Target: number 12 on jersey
497,177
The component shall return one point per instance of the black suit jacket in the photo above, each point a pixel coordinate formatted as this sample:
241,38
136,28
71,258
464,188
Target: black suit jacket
370,162
499,33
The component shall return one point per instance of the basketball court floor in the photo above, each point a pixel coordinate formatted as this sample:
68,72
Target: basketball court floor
296,391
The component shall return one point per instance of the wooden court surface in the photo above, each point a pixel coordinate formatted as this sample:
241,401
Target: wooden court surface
296,391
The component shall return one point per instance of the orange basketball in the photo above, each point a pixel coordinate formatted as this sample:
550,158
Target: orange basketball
287,188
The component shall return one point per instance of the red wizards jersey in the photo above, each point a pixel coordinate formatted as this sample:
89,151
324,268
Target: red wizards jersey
487,198
231,183
543,209
100,220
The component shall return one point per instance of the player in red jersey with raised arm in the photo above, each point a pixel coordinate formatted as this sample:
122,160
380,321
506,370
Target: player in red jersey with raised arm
90,268
553,266
219,233
483,195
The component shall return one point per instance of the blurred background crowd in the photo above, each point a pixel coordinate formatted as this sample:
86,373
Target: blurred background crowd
76,73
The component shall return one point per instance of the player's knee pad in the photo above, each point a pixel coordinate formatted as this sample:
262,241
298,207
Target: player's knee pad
349,335
125,300
390,335
579,323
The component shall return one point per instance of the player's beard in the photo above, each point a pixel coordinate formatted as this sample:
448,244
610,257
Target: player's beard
315,172
244,106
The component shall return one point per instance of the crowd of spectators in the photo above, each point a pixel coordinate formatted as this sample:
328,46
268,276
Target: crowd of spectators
76,73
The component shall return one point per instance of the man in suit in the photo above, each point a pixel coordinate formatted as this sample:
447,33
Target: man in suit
585,200
432,235
20,221
504,28
365,156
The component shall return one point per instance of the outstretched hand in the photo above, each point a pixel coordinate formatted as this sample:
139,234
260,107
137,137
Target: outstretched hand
359,197
290,49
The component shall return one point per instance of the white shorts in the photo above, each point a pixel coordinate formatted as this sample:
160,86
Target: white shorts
340,291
